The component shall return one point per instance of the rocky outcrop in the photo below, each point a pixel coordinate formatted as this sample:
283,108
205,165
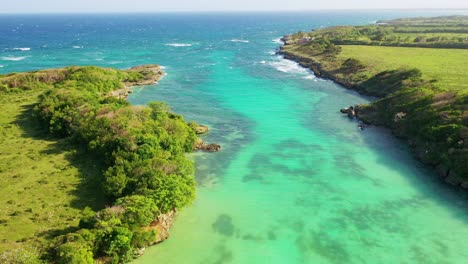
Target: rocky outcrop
350,111
151,74
121,93
201,145
162,224
201,129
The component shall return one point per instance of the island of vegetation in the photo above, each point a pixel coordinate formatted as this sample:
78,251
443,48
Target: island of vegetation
417,67
85,176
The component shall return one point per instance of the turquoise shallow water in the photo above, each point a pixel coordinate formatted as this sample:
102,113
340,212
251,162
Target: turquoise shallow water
299,183
296,182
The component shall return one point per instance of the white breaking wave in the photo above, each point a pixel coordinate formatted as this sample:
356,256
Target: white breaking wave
22,49
278,40
77,47
179,44
163,68
14,58
1,66
263,62
289,66
239,40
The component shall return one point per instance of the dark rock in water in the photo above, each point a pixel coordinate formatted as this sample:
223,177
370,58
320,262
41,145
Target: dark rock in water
200,145
464,185
212,147
351,111
453,179
362,125
442,170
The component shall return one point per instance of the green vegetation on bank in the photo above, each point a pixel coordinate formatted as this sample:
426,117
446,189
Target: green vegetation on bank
439,32
423,86
84,148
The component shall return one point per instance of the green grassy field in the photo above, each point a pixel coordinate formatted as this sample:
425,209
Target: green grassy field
447,66
44,183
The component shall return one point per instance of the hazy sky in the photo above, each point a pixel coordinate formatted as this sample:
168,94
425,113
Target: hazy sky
76,6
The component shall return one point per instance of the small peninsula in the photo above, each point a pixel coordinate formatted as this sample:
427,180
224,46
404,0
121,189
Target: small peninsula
89,176
417,69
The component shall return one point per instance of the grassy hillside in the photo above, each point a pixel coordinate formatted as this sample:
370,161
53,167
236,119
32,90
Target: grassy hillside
423,88
44,183
83,174
446,66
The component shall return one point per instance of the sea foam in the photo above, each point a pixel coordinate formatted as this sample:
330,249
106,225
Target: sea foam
179,44
22,49
239,40
289,66
10,58
278,40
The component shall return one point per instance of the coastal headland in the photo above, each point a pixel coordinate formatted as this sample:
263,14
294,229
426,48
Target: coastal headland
417,70
119,171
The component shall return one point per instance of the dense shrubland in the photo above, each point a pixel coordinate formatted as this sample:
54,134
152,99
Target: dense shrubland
142,148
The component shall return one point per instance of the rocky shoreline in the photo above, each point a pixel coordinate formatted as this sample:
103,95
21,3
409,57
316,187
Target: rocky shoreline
418,148
152,73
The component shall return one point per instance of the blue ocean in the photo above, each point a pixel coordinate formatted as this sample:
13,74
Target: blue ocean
295,182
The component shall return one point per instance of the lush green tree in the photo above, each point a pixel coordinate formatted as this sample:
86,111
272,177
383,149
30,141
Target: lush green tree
74,252
118,243
140,210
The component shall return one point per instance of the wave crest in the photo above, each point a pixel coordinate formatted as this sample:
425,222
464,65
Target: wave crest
22,49
11,58
278,40
289,66
239,40
179,44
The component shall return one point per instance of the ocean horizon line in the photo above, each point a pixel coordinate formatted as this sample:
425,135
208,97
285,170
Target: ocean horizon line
460,9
